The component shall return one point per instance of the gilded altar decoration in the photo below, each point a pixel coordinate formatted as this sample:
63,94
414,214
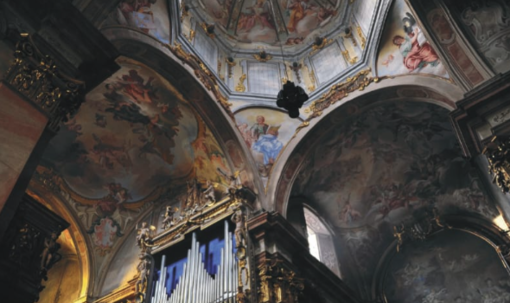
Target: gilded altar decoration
262,56
361,37
425,223
278,283
37,77
336,93
498,155
240,88
348,58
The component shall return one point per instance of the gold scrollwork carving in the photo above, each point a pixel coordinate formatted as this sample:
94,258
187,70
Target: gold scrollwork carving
336,93
498,155
37,77
262,56
240,88
277,283
361,36
348,58
320,43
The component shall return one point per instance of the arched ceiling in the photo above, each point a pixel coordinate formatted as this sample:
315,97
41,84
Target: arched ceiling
377,169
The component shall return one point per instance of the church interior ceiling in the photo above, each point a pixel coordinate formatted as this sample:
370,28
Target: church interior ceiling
137,140
376,170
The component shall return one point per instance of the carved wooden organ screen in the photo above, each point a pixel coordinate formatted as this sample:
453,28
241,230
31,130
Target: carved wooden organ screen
199,278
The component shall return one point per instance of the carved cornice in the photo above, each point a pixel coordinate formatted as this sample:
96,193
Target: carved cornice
203,74
336,93
125,293
37,77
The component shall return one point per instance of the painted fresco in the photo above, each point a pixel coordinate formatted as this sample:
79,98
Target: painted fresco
133,135
148,16
388,162
451,267
256,22
265,132
219,10
404,48
301,18
376,170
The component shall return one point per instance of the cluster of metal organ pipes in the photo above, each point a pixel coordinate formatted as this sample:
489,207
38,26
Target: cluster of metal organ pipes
196,285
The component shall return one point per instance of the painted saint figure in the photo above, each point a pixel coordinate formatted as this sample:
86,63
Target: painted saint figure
269,145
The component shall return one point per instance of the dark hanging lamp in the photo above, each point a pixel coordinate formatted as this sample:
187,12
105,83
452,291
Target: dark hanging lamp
291,97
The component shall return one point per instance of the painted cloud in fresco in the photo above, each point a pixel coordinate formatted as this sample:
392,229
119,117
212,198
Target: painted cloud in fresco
265,132
452,267
134,135
404,48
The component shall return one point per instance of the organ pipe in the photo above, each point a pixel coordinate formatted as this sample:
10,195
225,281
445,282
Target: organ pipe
195,284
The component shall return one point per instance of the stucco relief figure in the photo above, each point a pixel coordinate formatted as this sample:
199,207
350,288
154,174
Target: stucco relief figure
49,255
168,217
208,193
144,271
239,220
143,238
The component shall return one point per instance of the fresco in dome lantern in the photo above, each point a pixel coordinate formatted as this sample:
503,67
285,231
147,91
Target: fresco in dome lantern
149,16
292,20
404,48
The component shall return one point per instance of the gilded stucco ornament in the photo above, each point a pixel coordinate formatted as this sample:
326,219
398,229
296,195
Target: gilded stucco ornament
240,88
425,223
498,155
203,74
262,56
37,77
277,283
336,93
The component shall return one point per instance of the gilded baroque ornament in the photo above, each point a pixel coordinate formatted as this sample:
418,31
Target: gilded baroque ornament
277,283
240,88
336,93
37,77
362,37
348,58
348,35
262,56
425,223
319,43
498,155
203,74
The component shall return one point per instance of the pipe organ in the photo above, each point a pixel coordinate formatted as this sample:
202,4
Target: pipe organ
196,285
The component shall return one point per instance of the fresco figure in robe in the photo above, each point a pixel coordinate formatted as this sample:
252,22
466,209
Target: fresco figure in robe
416,56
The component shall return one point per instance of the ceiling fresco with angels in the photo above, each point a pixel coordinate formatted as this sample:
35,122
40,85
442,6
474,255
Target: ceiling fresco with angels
286,22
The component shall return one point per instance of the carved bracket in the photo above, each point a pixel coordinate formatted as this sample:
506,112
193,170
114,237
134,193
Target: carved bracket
36,76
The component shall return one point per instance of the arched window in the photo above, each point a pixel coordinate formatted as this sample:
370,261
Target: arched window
320,241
